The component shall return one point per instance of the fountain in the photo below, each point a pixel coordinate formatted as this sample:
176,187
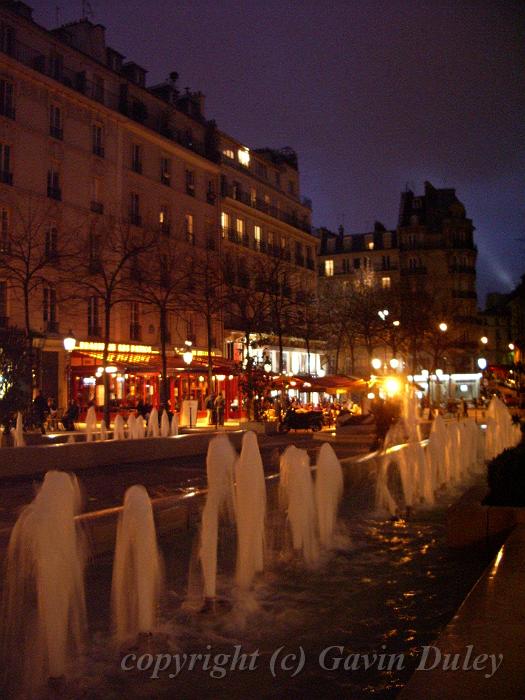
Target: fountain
103,430
501,433
153,423
250,510
301,506
139,431
17,433
44,617
91,423
220,462
328,492
137,569
118,428
175,424
165,424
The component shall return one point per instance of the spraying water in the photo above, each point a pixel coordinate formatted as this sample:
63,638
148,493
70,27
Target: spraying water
250,510
103,430
165,424
139,428
153,423
132,423
17,433
328,492
91,424
301,506
220,461
118,428
137,569
175,424
44,617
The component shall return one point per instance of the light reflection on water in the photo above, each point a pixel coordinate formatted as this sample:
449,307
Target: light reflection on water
388,587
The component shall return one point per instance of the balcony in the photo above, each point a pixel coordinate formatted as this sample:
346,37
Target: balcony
135,331
54,193
463,294
52,326
98,151
7,110
6,178
97,207
467,269
420,270
56,132
259,204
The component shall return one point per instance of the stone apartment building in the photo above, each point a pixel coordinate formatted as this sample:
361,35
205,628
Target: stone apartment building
431,252
86,145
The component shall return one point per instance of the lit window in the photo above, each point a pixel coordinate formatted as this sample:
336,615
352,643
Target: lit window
243,154
329,268
225,223
369,241
228,153
190,237
257,234
385,282
370,245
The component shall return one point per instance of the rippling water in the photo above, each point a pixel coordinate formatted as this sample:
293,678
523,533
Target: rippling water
387,588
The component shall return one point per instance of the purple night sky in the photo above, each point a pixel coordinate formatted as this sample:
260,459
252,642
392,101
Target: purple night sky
372,95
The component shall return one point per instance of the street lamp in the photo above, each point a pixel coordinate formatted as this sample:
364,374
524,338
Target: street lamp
484,339
376,363
187,356
482,363
394,363
69,345
443,327
511,346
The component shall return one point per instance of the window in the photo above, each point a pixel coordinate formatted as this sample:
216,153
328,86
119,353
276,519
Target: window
134,317
225,224
346,265
239,227
4,230
188,223
385,282
97,140
93,319
357,263
261,170
7,104
210,192
56,65
134,209
165,170
329,268
6,176
51,245
53,184
7,39
164,219
190,183
228,152
416,204
55,122
3,304
253,196
98,88
136,158
369,241
282,243
257,234
95,262
386,262
243,155
96,204
49,308
387,239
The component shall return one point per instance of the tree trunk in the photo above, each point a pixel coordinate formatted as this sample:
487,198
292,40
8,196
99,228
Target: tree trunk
105,375
164,384
29,339
209,331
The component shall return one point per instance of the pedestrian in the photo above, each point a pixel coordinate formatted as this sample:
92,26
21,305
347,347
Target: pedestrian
209,402
40,410
219,409
71,415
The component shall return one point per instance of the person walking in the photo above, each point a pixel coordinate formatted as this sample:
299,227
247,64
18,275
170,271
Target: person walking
209,402
40,410
219,406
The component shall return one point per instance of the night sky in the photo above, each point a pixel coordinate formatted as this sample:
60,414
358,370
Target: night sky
374,96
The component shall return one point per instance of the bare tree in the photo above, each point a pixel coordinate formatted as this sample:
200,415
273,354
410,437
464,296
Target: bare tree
110,272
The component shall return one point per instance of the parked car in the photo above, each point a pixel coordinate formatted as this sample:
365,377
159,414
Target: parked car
301,420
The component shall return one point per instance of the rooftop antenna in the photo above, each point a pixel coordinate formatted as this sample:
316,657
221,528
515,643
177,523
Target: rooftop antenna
87,10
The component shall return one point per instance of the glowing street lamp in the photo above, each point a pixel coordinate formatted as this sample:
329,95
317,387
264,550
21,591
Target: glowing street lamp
187,356
484,340
69,345
394,363
512,347
376,363
482,363
443,327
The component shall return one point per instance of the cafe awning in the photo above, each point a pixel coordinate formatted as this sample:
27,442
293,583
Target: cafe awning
336,384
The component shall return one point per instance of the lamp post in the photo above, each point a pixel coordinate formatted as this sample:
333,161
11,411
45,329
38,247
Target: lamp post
69,345
188,357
